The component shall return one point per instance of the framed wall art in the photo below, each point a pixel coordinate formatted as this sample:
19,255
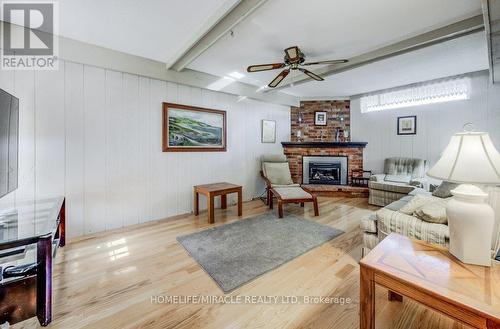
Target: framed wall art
193,129
268,131
320,118
407,125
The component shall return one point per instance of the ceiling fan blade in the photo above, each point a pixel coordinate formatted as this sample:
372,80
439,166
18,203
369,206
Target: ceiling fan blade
265,67
335,61
279,78
293,54
312,75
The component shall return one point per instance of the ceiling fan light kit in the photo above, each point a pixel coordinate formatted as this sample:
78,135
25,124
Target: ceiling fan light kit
294,59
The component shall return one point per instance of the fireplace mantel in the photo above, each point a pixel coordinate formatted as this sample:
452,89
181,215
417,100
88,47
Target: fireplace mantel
325,144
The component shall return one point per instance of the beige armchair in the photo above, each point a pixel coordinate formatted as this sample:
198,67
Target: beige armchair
400,177
279,184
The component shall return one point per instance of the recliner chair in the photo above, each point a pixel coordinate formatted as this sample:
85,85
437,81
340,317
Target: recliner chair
400,177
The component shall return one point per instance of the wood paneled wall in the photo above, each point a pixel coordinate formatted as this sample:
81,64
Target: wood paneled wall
94,135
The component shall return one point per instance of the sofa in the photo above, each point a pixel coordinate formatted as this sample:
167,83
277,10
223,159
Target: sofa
400,177
376,226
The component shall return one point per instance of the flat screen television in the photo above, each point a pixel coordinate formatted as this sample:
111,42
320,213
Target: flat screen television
9,142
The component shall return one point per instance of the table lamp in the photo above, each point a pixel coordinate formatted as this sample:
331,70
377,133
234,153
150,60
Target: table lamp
469,158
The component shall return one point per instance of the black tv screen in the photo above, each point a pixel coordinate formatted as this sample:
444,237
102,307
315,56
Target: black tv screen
9,140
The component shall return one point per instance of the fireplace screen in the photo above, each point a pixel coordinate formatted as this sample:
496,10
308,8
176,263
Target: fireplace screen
324,173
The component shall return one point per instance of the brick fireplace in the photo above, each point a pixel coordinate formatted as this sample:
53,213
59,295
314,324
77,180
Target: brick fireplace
317,144
353,151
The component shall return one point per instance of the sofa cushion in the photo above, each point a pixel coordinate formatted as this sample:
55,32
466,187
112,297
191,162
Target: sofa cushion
444,190
434,212
289,193
415,203
390,187
398,204
405,166
389,221
278,173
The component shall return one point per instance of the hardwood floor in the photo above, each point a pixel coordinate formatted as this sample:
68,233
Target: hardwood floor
108,280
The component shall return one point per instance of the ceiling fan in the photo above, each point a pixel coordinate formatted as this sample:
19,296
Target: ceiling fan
294,59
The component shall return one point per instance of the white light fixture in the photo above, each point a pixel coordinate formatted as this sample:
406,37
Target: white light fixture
241,98
469,158
422,94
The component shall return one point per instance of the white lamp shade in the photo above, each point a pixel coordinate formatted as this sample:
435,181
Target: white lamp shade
470,157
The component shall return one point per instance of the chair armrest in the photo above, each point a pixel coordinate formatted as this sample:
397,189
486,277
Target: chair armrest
377,178
420,182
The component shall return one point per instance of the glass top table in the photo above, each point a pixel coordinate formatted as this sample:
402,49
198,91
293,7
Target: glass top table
29,220
30,235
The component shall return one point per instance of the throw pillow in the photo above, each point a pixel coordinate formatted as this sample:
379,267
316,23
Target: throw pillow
416,202
434,212
444,190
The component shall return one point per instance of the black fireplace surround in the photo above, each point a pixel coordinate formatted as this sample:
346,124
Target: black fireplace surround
325,173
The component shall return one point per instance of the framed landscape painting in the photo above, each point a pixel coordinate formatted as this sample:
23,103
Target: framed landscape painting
193,129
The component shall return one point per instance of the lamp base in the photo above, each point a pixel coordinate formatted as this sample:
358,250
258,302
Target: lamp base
470,220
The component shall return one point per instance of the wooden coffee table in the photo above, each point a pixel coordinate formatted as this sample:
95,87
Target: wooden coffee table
431,276
213,190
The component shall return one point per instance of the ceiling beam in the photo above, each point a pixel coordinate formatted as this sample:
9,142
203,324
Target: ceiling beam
491,13
84,53
233,17
446,33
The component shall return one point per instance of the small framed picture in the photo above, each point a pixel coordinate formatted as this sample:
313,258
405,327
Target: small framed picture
268,131
320,118
407,125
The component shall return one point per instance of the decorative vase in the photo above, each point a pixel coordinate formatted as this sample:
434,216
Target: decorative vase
471,221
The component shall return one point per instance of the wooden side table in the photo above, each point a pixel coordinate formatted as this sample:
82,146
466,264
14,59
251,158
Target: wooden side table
431,276
213,190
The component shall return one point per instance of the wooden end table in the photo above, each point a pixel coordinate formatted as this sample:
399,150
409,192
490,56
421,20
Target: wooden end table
213,190
431,276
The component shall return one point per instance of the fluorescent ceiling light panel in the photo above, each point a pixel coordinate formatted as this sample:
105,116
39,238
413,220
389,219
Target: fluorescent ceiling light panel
422,94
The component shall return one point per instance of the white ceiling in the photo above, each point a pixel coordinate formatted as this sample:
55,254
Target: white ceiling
466,54
154,29
325,29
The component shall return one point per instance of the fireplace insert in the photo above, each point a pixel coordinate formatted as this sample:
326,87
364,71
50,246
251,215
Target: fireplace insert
325,173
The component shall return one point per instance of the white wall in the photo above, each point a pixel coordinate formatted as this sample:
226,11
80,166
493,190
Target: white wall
94,135
436,123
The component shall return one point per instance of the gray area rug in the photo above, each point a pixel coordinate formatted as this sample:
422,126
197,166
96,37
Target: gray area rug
236,253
